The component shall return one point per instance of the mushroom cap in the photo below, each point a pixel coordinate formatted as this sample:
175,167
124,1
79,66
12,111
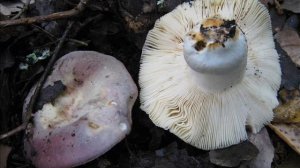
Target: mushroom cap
88,118
209,120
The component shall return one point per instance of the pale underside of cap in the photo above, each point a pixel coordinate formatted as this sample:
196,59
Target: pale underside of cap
209,120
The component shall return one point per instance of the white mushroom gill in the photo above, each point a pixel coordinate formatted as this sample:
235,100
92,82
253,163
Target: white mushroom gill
207,92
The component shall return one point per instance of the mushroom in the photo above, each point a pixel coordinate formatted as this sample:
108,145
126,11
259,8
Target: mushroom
209,70
90,115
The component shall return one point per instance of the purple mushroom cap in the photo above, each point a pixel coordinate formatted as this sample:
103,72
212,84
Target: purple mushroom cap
88,118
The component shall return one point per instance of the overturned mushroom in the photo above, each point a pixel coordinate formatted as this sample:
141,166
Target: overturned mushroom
209,69
90,115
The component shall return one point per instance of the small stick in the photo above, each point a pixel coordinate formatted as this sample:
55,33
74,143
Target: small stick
82,43
55,39
39,85
44,31
54,16
14,131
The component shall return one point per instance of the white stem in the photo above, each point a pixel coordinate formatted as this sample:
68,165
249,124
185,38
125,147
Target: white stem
216,69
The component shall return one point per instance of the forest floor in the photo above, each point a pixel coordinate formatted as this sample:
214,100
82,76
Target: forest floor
119,28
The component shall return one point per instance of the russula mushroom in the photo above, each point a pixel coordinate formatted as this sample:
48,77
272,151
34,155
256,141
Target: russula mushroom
209,69
88,118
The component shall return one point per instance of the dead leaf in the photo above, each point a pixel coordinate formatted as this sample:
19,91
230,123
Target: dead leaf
291,5
290,78
8,8
232,156
288,95
265,156
4,151
289,111
289,40
290,133
286,123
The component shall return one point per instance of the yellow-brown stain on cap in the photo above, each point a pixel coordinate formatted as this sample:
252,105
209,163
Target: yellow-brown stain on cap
212,22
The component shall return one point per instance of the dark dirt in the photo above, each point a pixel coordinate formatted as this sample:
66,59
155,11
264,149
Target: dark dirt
116,28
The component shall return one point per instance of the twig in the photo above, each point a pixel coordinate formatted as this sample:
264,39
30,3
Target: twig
54,16
25,8
82,43
86,22
45,74
39,85
14,131
44,31
55,39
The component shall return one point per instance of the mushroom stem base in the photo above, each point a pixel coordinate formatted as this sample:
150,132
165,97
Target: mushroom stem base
213,82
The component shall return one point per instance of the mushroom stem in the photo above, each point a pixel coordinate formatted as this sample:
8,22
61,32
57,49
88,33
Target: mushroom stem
216,64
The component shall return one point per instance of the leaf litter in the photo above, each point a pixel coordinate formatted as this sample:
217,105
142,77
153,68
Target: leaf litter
289,41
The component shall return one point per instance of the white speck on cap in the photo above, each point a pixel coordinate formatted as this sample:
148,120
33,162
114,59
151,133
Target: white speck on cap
123,126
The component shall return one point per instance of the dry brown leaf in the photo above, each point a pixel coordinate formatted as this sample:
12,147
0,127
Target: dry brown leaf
291,5
290,133
286,123
289,41
266,150
289,111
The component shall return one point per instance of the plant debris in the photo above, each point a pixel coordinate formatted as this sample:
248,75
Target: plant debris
289,110
233,156
266,149
34,57
289,40
291,5
286,123
290,133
